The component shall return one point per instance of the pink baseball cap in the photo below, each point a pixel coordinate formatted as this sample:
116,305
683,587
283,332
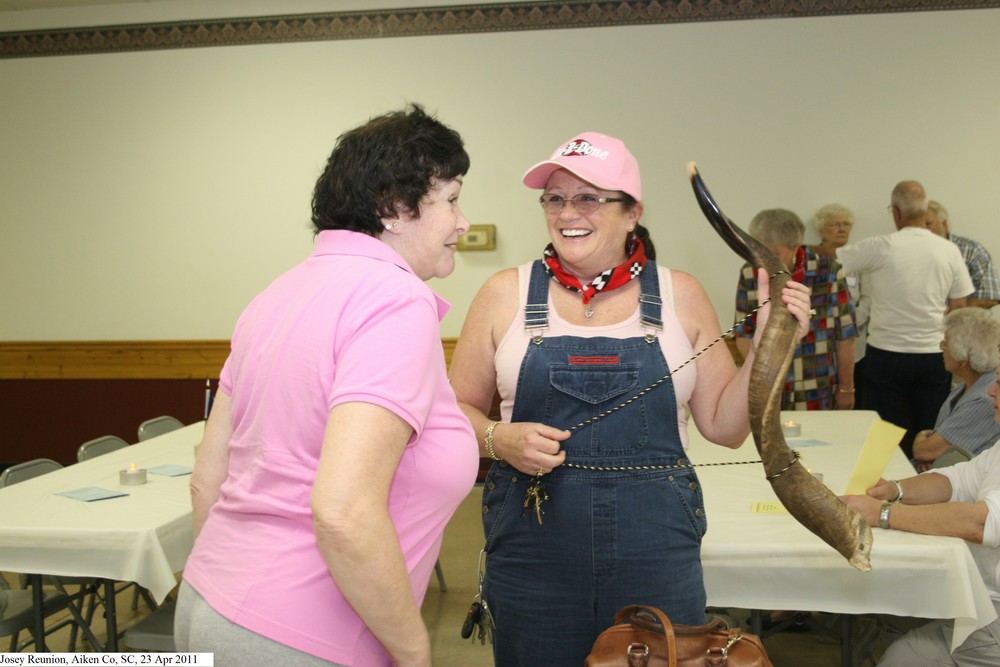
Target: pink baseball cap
596,158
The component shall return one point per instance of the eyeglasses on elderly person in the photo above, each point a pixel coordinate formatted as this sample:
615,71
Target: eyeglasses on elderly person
583,203
839,224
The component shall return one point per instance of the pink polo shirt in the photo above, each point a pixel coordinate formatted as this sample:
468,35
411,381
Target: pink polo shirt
351,323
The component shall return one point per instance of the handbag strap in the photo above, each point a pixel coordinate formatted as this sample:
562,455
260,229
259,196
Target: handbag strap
651,618
714,624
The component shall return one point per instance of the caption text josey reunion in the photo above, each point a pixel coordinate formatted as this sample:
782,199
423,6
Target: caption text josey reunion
124,659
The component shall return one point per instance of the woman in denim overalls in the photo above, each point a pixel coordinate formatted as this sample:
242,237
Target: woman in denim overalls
619,517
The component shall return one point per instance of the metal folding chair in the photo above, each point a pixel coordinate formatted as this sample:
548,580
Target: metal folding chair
158,426
99,446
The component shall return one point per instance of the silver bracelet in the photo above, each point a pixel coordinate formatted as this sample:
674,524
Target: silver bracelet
899,491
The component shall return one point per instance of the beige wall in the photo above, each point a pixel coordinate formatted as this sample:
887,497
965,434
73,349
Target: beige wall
150,195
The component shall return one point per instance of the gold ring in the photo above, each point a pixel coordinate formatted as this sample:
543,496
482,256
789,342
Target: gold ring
539,473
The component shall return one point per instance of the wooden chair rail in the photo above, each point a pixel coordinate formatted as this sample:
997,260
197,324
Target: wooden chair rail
112,360
121,360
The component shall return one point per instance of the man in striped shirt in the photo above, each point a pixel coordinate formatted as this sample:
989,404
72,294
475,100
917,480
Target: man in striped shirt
977,259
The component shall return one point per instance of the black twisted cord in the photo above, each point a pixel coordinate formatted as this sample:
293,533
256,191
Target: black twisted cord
669,373
648,389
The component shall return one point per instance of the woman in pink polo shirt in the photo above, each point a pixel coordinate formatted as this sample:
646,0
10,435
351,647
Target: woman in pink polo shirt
336,453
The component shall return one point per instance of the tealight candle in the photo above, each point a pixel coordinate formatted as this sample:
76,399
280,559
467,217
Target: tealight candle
132,476
791,428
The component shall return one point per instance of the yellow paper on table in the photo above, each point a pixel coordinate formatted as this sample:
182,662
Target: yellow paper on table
882,440
768,507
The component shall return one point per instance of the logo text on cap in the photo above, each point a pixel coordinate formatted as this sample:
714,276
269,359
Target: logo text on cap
581,148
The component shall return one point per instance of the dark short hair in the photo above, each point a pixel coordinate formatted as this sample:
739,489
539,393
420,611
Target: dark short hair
384,168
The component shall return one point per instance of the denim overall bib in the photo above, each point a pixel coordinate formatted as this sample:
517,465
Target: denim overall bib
609,538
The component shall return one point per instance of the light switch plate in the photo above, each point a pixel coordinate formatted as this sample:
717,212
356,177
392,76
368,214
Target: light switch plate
479,237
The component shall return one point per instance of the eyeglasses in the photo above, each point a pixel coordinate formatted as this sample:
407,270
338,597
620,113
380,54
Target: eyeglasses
583,203
840,224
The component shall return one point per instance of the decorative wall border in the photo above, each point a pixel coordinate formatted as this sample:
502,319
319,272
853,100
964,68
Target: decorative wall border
453,19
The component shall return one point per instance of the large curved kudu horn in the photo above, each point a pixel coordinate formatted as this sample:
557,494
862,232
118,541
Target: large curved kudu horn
807,499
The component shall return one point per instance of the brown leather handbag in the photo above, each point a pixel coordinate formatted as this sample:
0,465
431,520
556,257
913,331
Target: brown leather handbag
643,636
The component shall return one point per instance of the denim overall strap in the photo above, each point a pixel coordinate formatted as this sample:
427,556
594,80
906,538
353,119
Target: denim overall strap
536,307
650,302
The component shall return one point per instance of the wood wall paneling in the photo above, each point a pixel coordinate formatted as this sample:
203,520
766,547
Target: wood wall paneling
51,418
56,395
110,360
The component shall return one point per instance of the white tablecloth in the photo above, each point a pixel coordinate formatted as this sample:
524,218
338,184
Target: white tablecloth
144,537
770,561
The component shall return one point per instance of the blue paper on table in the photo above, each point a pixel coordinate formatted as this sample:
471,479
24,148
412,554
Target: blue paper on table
170,470
91,493
805,442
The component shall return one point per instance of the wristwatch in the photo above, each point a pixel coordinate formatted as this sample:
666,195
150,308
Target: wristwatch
883,516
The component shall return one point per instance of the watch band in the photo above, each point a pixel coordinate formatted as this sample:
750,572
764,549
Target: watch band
883,516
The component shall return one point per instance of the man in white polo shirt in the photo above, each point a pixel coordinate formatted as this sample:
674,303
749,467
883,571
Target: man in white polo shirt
914,273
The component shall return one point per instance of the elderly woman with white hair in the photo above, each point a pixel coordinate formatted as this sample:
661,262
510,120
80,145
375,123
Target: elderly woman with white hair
966,419
833,223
